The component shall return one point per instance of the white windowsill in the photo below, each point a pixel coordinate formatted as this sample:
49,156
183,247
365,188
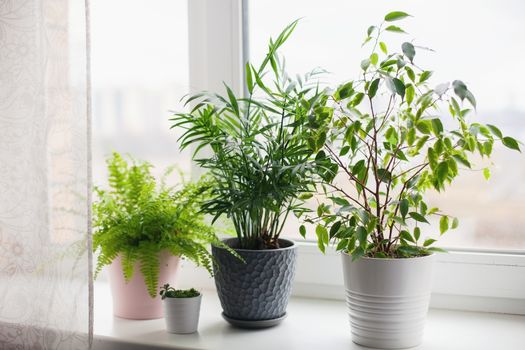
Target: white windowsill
311,324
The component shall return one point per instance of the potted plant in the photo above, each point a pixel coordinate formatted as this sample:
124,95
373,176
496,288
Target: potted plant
140,226
258,154
181,309
392,137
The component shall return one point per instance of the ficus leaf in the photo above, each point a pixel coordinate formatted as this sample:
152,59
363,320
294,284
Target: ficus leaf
486,173
374,58
417,233
497,132
403,207
418,217
361,235
460,89
406,236
399,87
372,89
365,64
409,51
394,29
443,224
383,47
302,231
428,242
455,223
395,16
511,143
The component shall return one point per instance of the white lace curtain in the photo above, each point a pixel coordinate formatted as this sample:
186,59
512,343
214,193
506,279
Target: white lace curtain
45,277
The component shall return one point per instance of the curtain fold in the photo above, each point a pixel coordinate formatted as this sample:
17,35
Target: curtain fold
45,255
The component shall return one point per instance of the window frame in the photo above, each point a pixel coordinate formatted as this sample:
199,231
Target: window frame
474,280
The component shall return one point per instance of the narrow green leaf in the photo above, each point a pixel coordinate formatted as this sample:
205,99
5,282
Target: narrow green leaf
302,231
335,228
384,175
442,171
365,64
342,245
409,51
486,173
460,89
428,242
403,207
361,235
418,217
322,237
455,223
395,16
249,78
511,143
424,76
372,90
424,126
406,236
497,132
383,48
395,29
374,58
443,224
399,86
410,94
436,250
462,160
417,233
437,126
410,73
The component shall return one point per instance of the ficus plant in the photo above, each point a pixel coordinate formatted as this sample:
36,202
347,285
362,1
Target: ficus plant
137,218
392,136
258,148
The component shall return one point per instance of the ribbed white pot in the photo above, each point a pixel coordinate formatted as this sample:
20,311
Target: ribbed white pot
182,314
388,300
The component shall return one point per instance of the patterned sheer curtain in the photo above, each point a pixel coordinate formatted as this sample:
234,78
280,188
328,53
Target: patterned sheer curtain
45,273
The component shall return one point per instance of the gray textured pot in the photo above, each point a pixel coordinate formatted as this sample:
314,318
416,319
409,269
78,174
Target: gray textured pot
388,300
258,289
182,314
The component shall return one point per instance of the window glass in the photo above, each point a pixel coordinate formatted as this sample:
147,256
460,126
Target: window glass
139,74
480,42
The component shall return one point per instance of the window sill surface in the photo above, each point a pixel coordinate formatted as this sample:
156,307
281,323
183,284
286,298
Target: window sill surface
311,324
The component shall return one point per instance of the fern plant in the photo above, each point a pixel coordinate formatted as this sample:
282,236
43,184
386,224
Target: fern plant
260,147
137,219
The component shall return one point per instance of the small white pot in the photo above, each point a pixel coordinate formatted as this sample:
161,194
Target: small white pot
182,314
388,300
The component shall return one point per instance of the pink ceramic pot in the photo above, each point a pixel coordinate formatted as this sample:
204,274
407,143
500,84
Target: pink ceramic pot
131,300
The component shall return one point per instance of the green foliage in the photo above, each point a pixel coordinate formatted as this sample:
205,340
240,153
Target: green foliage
392,137
137,220
261,146
169,292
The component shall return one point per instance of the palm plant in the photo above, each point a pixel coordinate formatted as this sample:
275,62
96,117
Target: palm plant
259,147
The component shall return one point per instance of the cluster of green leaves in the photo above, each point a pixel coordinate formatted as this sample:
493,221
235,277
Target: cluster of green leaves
260,146
392,137
138,219
169,292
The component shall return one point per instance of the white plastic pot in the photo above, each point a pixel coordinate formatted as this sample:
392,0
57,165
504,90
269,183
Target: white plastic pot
182,314
388,300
